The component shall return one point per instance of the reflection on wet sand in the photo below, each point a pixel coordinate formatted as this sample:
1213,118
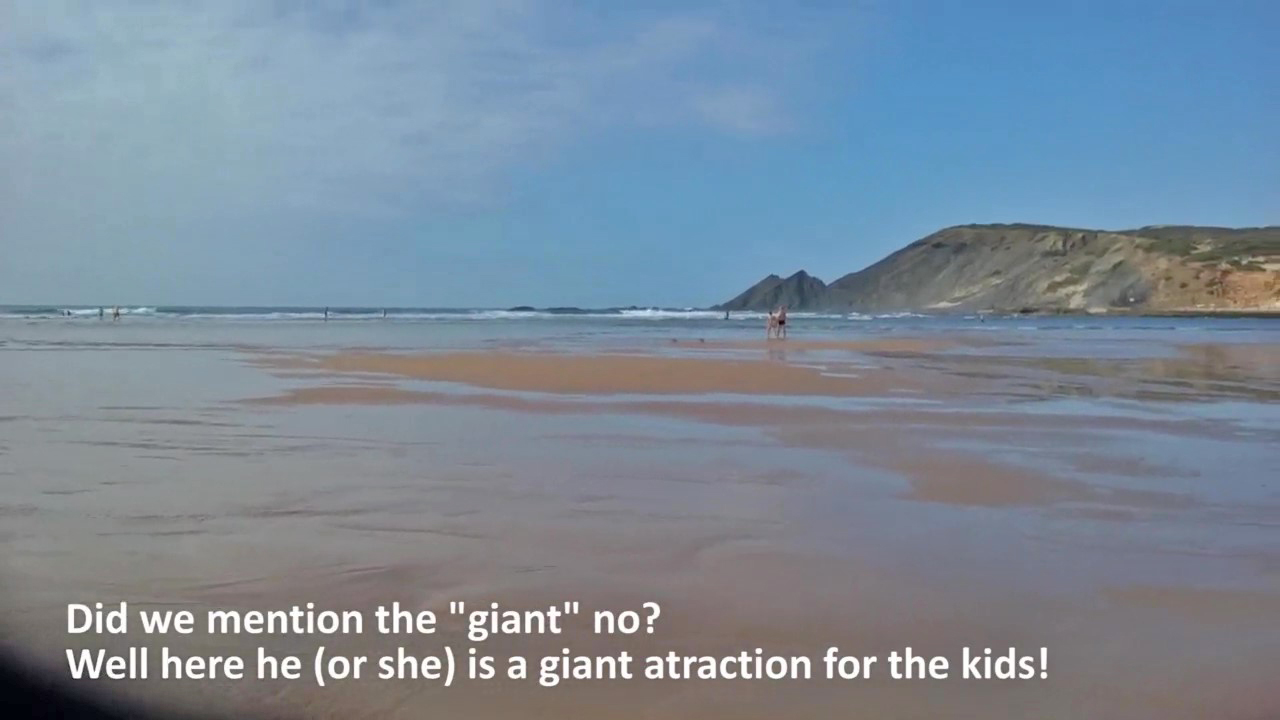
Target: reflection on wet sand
932,493
1219,605
1197,373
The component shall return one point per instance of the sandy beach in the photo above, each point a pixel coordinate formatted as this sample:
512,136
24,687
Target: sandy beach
936,491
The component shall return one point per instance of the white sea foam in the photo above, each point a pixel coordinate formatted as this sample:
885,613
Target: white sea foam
363,314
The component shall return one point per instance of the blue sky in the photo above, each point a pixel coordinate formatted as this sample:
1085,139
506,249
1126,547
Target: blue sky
501,152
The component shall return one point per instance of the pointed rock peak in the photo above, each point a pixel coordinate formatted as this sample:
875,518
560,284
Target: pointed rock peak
803,278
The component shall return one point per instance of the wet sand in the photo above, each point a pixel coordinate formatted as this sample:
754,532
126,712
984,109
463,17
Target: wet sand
871,495
617,374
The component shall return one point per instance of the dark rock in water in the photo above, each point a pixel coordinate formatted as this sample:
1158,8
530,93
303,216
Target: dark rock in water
1016,268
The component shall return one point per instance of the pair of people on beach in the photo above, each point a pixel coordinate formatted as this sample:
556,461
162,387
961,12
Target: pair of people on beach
776,326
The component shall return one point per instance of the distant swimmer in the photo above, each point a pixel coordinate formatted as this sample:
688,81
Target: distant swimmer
102,313
384,313
326,314
726,314
115,313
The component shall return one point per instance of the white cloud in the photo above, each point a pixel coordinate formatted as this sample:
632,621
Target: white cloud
194,109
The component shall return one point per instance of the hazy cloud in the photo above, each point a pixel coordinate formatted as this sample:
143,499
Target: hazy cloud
748,110
192,108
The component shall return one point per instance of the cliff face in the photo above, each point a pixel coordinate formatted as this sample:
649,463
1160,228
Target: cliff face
1020,267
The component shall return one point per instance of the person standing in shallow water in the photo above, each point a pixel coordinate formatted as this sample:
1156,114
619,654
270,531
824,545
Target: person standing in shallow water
115,313
776,325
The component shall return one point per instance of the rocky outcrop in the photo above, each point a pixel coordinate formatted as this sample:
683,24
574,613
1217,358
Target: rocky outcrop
801,290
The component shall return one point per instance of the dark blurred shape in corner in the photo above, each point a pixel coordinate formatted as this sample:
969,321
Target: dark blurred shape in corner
26,692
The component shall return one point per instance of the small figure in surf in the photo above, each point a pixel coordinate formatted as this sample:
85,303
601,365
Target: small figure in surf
326,314
726,314
115,313
102,313
776,325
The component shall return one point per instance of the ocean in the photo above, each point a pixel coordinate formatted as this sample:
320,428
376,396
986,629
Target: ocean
402,327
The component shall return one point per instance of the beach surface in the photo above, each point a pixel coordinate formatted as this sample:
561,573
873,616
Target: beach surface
1103,489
